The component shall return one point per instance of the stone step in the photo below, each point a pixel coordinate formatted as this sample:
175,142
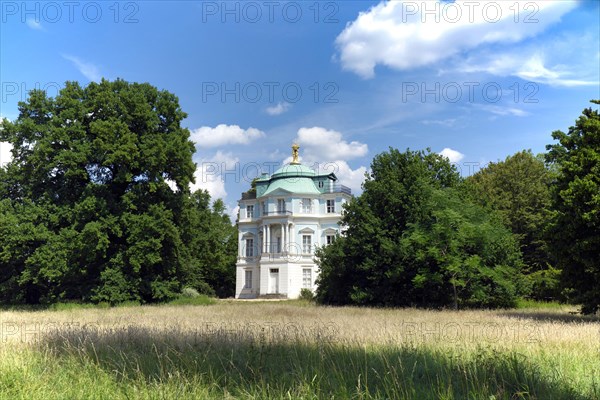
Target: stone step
272,296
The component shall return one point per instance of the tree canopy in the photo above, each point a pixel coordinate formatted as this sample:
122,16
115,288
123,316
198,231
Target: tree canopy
576,201
518,189
411,238
96,199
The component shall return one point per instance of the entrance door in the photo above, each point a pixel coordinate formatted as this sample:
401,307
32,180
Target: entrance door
274,280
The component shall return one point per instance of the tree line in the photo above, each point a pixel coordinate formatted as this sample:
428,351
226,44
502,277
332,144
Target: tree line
420,235
96,206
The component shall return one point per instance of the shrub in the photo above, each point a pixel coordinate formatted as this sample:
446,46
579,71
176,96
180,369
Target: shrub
306,294
189,292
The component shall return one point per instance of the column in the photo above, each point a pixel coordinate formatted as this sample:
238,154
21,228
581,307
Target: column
268,238
292,246
282,237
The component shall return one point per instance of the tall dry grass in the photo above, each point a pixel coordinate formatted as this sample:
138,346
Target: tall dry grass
295,350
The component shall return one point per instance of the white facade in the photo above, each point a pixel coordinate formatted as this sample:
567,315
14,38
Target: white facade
280,225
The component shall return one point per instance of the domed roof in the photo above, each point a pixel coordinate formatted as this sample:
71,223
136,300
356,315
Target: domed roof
292,178
293,170
296,184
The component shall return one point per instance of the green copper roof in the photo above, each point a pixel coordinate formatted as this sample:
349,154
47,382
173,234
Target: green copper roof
292,185
293,170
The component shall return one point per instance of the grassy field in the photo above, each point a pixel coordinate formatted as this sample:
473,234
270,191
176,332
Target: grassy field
295,350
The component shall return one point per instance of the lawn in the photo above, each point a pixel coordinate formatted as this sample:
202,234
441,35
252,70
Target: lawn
295,350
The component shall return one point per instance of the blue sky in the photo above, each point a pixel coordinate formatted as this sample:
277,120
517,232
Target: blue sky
477,80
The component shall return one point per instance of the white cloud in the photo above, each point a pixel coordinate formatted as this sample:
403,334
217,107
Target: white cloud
5,153
353,178
448,123
453,155
407,34
278,109
500,110
33,24
224,134
326,151
87,69
232,212
209,174
320,144
172,185
533,68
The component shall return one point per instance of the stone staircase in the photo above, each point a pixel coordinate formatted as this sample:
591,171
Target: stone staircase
272,296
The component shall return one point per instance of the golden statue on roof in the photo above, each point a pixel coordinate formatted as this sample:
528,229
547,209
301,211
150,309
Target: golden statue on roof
295,148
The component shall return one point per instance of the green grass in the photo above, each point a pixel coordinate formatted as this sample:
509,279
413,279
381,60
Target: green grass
536,304
69,306
73,305
170,352
149,366
200,300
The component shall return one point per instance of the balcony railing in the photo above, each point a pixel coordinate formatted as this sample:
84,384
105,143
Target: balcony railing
278,212
249,195
336,189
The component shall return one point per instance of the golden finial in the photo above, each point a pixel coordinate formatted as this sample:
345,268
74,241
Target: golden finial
295,148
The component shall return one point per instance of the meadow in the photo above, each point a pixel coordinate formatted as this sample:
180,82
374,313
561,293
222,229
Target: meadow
297,350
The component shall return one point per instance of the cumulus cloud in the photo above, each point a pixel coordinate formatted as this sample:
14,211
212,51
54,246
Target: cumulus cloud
406,34
209,174
321,144
87,69
453,155
353,178
326,151
278,109
222,134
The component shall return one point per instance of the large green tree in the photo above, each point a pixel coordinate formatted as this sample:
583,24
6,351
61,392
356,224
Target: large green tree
518,189
576,232
96,196
412,239
212,244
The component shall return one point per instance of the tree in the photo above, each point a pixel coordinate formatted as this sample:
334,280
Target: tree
518,189
89,196
212,244
576,198
462,255
412,239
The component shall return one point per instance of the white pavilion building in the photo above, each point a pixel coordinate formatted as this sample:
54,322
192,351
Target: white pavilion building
281,223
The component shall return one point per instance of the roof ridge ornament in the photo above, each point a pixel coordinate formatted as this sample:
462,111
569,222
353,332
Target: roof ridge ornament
295,148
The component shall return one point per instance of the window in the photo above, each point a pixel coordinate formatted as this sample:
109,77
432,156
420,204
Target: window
330,239
248,280
281,205
330,206
278,249
249,211
321,185
264,208
306,206
306,244
249,247
307,278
